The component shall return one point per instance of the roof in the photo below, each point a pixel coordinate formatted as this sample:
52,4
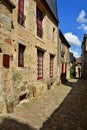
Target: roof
63,39
53,7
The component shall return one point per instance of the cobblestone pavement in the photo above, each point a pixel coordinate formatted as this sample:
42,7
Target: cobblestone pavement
61,108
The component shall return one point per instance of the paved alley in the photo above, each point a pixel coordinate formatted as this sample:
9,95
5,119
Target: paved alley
61,108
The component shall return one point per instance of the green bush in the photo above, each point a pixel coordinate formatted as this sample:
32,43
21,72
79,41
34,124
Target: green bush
72,72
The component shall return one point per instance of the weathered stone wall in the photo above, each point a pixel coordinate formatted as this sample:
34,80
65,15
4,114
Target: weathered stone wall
26,80
84,58
21,82
5,28
6,96
66,60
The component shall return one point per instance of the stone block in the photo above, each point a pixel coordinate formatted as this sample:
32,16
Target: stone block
6,19
7,40
2,104
1,59
9,103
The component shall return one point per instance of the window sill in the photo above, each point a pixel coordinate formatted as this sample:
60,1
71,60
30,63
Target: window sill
22,68
39,80
40,39
22,26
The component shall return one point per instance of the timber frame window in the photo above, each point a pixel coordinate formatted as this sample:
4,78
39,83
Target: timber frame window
21,16
51,65
40,64
39,23
21,55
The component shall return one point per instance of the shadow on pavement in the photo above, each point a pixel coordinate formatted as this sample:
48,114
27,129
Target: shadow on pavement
72,113
12,124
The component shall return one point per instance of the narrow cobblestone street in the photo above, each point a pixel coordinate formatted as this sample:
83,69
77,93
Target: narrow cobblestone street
61,108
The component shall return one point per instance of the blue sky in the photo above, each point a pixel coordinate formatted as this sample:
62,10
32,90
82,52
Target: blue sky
73,22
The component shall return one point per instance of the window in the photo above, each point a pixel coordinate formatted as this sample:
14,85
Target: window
39,23
53,34
51,65
21,56
21,16
39,64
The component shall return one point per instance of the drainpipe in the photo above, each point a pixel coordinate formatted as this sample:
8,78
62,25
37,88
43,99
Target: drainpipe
58,59
58,52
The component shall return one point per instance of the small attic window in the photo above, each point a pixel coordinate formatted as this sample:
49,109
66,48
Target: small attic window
53,34
0,50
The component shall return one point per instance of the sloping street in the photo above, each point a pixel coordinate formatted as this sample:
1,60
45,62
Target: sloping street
43,65
60,108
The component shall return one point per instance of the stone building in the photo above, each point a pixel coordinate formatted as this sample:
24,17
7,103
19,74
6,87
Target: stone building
78,67
64,58
84,57
6,26
28,49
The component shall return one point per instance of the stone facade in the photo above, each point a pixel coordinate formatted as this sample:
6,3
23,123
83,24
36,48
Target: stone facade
21,82
84,57
78,67
64,58
6,94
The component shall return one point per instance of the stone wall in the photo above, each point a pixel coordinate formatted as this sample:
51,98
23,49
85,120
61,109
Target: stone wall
65,59
6,94
20,83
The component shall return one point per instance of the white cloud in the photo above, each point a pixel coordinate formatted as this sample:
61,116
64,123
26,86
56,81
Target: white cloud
81,18
83,26
72,39
75,53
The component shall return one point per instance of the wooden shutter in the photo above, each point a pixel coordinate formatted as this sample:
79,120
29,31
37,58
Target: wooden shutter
51,65
63,68
21,12
39,23
6,60
39,65
21,55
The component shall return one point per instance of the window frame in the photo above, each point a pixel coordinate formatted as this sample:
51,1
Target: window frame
40,55
21,16
51,66
39,16
21,49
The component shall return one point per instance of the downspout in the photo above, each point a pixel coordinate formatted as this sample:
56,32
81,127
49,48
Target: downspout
58,60
58,52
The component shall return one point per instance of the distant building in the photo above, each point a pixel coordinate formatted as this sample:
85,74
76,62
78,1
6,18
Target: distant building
78,67
64,58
